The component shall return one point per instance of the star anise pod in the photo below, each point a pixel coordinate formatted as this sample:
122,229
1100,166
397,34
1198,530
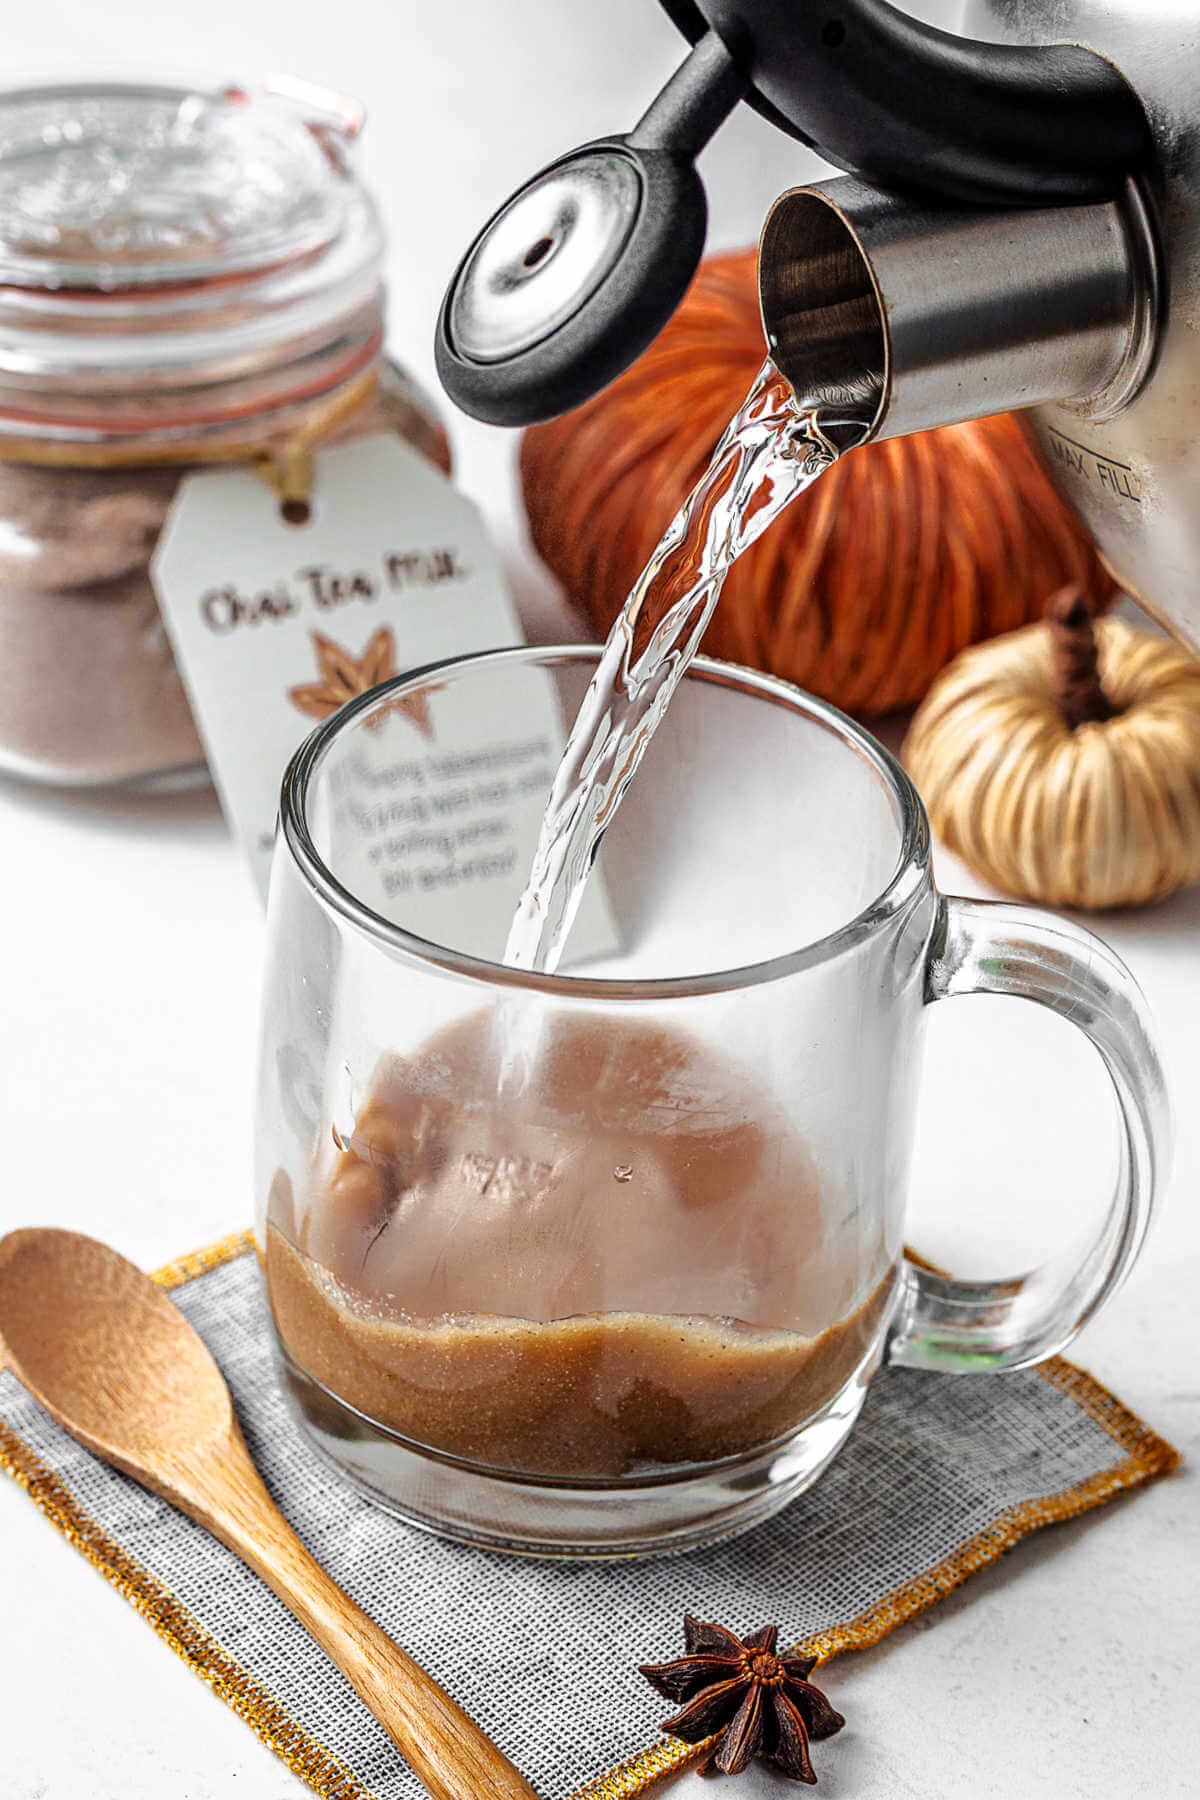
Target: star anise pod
762,1704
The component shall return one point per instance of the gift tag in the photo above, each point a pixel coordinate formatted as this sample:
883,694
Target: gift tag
275,625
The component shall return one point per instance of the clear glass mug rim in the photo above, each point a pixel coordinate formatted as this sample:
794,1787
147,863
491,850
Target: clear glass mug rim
908,880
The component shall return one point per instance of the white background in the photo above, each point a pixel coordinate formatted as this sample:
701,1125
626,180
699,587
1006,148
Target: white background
131,940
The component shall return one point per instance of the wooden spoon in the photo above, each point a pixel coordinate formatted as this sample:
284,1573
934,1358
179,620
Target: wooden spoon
109,1356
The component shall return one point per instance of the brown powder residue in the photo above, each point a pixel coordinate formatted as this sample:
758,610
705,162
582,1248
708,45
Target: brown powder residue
600,1396
600,1251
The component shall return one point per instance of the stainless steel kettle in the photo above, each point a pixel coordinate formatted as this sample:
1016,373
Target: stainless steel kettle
1133,472
1021,228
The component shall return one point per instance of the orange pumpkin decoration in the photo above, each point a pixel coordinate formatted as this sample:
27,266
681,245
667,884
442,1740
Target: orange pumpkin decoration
898,558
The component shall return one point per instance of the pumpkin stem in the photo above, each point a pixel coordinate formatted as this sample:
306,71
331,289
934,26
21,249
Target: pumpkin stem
1077,686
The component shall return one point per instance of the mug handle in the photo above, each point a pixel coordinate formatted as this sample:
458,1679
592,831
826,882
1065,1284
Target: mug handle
987,947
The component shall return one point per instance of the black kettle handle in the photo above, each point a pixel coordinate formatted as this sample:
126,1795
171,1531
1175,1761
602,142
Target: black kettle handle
907,105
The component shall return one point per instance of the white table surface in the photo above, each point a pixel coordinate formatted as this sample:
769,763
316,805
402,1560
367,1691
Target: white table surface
131,941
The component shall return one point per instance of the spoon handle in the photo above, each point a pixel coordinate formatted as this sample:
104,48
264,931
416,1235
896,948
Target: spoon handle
445,1748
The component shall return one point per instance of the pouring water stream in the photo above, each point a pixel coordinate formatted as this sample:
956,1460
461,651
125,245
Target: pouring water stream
773,448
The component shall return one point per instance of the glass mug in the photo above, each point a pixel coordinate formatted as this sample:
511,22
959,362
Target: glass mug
601,1263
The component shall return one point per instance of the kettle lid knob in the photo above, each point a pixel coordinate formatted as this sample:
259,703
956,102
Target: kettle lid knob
570,280
544,255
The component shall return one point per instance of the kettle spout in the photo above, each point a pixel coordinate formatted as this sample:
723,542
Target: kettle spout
915,313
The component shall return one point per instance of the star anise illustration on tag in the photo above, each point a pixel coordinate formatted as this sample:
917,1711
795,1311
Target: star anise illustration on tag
344,675
756,1702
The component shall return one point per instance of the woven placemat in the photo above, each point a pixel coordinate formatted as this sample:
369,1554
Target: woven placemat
939,1478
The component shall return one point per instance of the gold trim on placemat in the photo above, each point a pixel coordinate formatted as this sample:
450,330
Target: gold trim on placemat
1147,1456
323,1772
199,1262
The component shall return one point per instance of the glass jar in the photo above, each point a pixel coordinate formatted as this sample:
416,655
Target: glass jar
187,277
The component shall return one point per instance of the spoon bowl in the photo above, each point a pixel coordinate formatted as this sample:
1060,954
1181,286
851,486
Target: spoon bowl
106,1351
114,1361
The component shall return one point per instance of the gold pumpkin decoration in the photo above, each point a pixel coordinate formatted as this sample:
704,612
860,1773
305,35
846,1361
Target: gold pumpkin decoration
1062,762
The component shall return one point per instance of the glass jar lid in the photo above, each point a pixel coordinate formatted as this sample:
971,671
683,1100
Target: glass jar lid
113,186
157,237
